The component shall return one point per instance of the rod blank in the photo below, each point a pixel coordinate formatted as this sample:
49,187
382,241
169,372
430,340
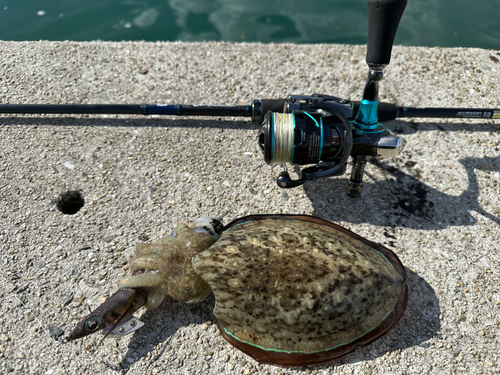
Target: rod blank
129,109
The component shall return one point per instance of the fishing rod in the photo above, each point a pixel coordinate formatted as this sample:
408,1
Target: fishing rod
318,130
385,112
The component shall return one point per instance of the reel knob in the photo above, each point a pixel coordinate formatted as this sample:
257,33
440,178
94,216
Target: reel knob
284,181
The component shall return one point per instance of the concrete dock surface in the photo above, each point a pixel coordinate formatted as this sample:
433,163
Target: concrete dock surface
436,205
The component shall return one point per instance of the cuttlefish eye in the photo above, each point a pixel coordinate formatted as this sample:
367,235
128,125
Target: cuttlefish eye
93,324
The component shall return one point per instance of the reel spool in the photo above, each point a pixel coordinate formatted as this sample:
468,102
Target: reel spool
303,137
297,138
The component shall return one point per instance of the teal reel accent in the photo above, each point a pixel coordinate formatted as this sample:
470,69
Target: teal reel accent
366,120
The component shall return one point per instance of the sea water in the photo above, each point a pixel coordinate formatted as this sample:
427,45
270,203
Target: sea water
445,23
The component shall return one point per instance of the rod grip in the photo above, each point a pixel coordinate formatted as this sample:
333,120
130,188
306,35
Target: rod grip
383,21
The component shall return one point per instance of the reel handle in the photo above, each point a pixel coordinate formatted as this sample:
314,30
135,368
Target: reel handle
383,21
284,181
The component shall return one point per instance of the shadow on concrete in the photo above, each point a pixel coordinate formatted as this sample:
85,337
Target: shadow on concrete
405,128
160,325
402,200
129,121
419,323
397,126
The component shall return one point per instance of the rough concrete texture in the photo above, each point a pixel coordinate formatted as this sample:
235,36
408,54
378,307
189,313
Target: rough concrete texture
437,205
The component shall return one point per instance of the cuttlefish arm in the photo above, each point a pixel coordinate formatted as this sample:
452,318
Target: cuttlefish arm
114,310
157,270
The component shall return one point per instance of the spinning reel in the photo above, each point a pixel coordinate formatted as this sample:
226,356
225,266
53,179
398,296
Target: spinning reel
318,130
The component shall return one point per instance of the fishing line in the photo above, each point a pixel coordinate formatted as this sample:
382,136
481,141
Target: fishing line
31,309
282,142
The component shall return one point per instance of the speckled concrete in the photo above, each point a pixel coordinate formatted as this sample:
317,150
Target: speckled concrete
437,205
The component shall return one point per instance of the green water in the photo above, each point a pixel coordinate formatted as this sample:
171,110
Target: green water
445,23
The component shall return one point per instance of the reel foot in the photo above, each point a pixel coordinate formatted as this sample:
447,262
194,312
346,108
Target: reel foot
354,189
355,182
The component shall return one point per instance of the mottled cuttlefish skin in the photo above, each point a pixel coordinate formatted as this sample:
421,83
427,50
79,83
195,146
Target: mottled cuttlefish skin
291,286
291,290
167,267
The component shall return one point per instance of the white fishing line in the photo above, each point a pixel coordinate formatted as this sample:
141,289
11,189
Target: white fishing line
283,129
13,294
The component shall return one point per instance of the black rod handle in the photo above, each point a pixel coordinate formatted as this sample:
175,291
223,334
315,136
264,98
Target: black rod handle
383,21
129,109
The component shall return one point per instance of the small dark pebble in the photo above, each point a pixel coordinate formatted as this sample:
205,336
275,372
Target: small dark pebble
84,247
70,202
152,190
387,234
109,238
143,237
143,71
114,183
252,190
493,58
68,300
22,289
41,264
55,332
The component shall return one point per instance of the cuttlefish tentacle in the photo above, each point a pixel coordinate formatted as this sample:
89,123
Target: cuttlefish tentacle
142,247
155,298
151,258
166,264
146,279
157,270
